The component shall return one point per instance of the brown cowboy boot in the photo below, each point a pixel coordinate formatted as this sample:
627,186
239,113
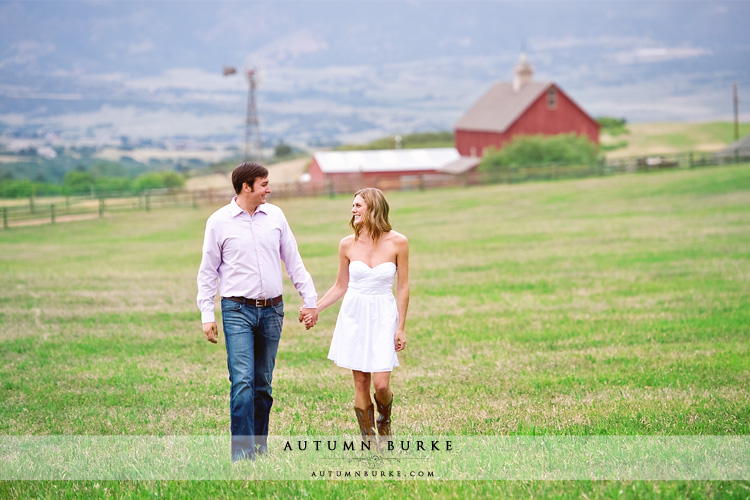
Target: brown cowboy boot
366,420
384,418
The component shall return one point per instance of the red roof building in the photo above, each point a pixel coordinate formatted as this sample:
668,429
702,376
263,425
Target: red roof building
521,107
387,164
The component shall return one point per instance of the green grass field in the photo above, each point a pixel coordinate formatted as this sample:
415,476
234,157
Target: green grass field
646,139
607,306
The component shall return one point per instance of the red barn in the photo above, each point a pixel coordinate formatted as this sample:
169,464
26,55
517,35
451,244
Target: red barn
521,107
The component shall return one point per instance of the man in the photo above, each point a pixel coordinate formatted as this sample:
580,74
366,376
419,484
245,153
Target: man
244,244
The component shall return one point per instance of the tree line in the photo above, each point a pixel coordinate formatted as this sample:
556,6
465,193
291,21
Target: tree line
96,181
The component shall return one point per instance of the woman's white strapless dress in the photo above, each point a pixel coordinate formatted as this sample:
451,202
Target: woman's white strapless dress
366,326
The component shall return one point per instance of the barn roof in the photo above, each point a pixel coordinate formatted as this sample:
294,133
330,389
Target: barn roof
389,160
496,110
461,165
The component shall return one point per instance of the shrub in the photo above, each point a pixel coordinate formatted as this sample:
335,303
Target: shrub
159,180
10,188
612,126
78,182
532,150
23,188
112,185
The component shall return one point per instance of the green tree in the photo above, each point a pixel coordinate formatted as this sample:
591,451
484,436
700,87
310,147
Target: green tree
112,185
12,188
612,126
283,150
78,182
173,180
159,180
151,180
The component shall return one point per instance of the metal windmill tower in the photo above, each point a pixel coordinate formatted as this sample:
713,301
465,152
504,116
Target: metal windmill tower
253,149
253,146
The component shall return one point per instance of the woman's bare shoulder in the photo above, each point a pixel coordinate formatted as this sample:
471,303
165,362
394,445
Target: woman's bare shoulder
397,238
346,241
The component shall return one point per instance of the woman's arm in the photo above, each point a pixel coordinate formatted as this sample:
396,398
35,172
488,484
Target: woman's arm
402,290
342,277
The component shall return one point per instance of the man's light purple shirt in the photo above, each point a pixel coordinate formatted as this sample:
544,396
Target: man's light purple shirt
245,254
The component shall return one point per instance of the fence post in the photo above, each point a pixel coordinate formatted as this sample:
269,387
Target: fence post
101,207
195,200
52,213
148,201
691,163
31,203
5,217
331,191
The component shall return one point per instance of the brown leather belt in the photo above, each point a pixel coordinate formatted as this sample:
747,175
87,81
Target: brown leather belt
256,302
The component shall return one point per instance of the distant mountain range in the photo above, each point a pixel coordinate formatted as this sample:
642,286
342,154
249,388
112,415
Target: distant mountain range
348,71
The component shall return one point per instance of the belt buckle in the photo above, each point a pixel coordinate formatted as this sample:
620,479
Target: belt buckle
260,302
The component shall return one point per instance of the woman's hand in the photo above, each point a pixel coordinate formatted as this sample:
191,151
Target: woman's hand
309,316
309,322
400,340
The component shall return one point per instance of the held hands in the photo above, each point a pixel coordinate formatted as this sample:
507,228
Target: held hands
211,332
309,315
400,340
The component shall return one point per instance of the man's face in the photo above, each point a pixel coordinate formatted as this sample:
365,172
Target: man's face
257,195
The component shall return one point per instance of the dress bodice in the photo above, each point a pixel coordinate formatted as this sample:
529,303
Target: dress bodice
371,280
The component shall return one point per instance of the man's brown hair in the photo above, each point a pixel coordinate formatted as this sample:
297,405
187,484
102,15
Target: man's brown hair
247,172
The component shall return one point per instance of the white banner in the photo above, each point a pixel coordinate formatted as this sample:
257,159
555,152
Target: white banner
405,457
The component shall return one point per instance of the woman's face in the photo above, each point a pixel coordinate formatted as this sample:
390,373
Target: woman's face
359,207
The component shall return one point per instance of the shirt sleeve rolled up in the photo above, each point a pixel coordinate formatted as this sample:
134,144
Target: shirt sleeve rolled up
208,273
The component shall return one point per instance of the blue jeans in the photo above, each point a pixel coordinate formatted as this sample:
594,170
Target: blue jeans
252,336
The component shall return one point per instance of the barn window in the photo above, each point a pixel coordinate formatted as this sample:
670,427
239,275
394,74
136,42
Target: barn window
552,98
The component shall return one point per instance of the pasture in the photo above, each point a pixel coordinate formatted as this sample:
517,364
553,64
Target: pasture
602,306
668,138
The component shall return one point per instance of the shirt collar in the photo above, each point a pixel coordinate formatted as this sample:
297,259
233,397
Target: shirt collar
235,209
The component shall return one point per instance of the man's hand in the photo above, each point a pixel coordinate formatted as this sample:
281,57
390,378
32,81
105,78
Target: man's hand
211,331
309,315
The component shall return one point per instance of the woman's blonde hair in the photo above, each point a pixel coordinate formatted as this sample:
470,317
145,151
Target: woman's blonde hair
375,220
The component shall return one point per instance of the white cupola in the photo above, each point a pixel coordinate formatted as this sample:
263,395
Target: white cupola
523,73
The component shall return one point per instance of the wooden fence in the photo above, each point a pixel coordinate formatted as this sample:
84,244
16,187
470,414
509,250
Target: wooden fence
38,210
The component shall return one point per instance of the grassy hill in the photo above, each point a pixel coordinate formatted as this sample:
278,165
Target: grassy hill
644,139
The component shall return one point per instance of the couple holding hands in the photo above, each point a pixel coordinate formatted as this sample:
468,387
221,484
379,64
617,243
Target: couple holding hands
244,244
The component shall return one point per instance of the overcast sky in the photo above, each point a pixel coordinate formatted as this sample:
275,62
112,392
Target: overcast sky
353,70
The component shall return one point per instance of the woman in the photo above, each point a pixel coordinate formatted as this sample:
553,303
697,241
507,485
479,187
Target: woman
370,326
